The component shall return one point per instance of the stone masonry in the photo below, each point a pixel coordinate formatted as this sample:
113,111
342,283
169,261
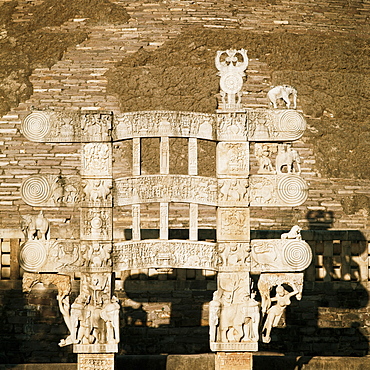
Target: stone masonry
175,305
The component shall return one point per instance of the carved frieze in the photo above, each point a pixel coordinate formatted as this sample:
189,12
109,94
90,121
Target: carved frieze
234,256
60,127
51,190
277,190
164,123
232,126
280,255
165,188
96,126
97,160
233,224
275,125
164,254
232,159
66,256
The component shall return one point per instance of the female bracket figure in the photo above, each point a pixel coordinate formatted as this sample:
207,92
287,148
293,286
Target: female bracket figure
275,312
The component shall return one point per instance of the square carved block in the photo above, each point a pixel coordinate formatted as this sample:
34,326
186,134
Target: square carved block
233,224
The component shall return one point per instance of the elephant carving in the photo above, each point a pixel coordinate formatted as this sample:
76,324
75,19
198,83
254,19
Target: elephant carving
239,322
35,226
283,92
289,158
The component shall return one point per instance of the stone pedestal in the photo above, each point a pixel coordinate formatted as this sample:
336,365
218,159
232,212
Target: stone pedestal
95,361
233,361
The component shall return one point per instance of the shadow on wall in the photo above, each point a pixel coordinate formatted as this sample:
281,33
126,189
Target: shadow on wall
170,318
29,326
330,320
320,220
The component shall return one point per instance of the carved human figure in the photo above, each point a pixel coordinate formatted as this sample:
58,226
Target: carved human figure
262,153
110,315
251,313
275,312
282,92
214,315
80,321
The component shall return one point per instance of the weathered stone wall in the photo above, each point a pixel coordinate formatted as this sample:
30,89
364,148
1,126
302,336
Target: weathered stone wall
162,58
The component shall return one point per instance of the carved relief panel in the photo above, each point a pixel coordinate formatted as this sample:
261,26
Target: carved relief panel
275,125
164,123
232,159
280,255
233,192
51,190
277,190
232,126
169,188
233,224
234,314
96,160
164,254
96,223
234,256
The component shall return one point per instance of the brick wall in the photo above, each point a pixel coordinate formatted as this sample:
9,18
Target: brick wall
173,317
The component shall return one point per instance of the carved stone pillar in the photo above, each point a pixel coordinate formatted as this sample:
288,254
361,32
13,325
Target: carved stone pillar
234,313
95,312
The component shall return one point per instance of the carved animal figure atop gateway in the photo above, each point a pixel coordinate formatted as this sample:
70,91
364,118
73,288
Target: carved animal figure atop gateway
35,226
282,92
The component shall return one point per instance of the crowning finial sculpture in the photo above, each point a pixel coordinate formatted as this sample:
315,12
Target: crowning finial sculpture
235,313
231,65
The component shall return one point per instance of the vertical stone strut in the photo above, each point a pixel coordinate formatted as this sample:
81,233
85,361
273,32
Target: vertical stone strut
95,311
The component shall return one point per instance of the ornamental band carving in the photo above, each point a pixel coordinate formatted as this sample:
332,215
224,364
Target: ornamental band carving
164,254
51,126
260,190
164,123
165,188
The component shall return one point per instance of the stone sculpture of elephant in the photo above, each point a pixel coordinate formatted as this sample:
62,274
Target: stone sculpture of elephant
283,92
231,323
35,226
289,158
240,321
